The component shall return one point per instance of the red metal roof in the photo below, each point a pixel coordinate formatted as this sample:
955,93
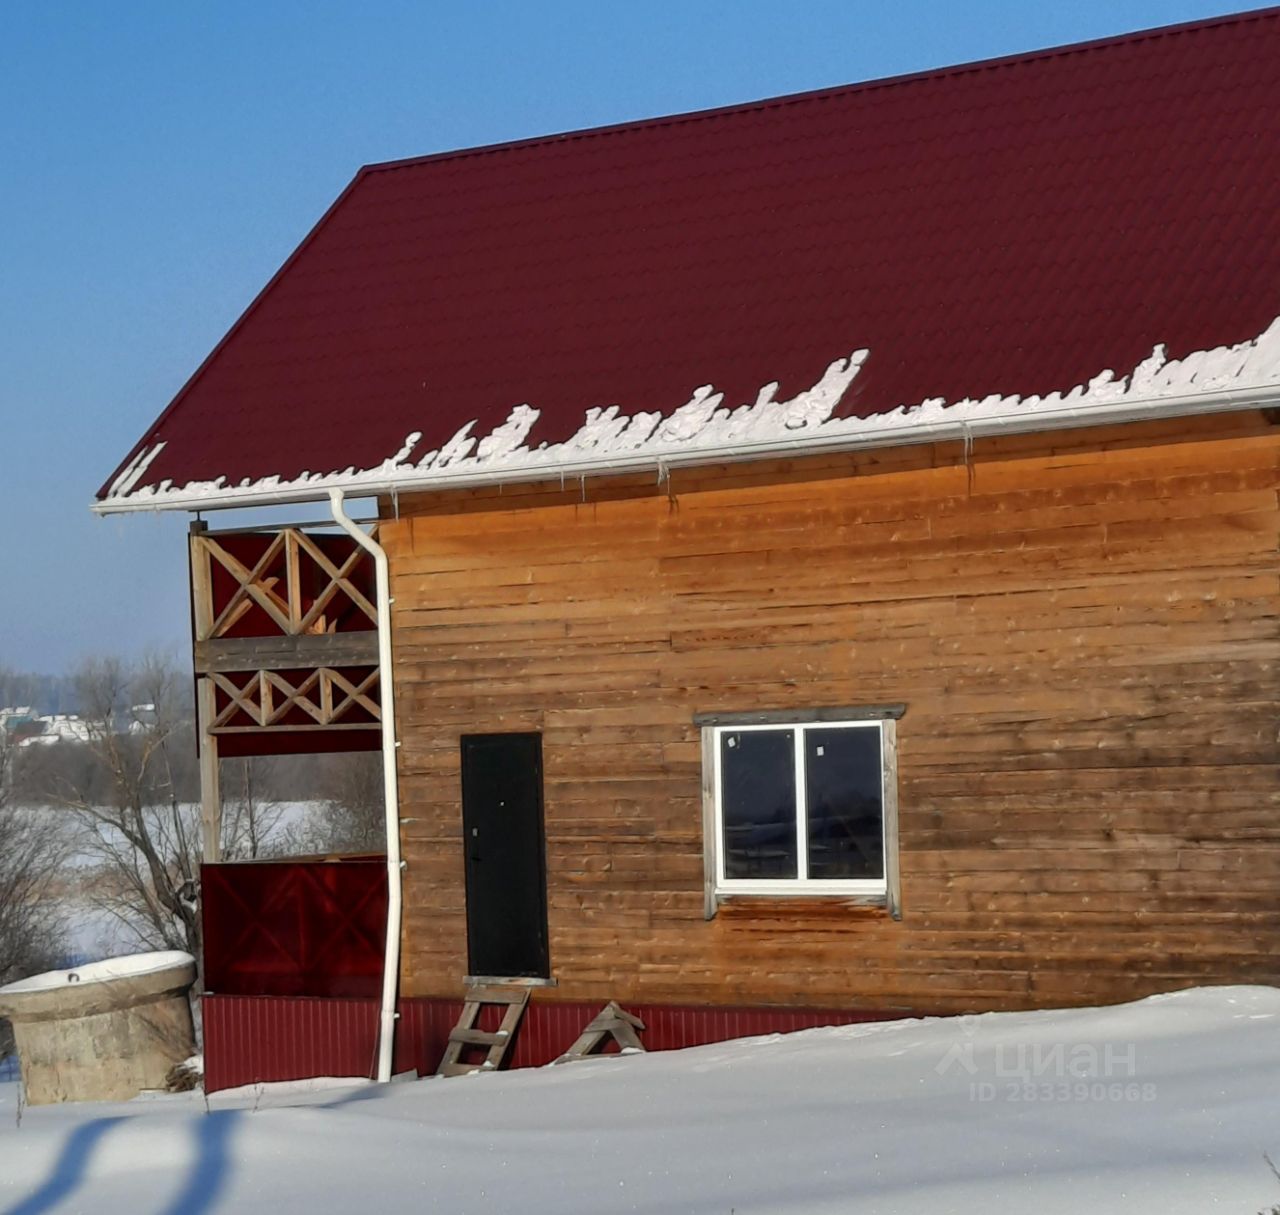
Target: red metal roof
1010,226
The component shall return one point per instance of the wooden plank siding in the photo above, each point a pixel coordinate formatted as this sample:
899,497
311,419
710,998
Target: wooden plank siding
1085,628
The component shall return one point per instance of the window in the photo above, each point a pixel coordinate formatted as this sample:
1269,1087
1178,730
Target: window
801,807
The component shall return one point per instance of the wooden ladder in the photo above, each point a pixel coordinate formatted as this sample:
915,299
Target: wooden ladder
465,1034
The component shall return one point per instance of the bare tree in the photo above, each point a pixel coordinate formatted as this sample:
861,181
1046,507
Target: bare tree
253,815
131,785
32,933
349,817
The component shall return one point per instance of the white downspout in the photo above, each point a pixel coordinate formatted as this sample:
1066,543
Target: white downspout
390,784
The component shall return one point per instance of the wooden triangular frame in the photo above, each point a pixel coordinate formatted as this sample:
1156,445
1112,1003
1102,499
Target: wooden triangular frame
610,1021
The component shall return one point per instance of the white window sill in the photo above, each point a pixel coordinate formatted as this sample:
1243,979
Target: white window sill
821,902
804,890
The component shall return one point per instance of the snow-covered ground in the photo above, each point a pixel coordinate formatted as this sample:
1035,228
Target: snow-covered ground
1167,1105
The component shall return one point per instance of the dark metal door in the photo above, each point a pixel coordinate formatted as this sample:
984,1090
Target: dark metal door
506,870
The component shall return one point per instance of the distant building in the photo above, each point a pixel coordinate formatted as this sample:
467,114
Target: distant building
20,723
55,728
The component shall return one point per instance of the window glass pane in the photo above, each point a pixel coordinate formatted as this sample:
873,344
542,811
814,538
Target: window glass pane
844,800
758,801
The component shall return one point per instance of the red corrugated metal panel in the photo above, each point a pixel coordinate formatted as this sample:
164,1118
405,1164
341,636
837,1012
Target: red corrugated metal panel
423,1032
255,1039
248,1040
550,1029
1008,227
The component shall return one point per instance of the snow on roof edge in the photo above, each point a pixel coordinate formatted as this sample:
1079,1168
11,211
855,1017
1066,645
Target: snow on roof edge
705,431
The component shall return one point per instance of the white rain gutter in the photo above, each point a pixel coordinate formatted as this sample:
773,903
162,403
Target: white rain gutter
390,783
1018,422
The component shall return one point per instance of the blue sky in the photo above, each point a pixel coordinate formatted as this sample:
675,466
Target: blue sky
159,160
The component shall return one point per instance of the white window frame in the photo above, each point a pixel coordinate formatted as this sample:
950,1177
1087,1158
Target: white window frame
883,890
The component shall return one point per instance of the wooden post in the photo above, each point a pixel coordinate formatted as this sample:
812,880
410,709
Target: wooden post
201,594
210,785
202,630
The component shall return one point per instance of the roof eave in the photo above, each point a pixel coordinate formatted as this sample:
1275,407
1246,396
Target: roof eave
410,481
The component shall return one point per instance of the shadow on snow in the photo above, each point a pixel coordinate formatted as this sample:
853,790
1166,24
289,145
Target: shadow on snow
212,1168
203,1187
69,1169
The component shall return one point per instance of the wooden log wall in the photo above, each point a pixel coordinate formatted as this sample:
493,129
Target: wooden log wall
1085,630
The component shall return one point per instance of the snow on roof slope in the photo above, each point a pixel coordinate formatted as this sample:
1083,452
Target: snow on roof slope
1010,227
1166,1105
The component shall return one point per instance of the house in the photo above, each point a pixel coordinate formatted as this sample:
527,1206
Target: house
825,566
52,729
